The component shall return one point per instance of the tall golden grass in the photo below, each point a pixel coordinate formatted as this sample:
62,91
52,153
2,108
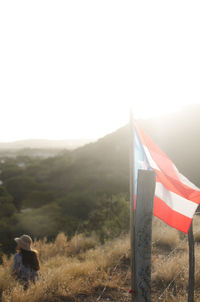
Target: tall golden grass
68,269
78,269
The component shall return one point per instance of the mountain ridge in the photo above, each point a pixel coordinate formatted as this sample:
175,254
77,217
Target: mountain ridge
44,144
176,134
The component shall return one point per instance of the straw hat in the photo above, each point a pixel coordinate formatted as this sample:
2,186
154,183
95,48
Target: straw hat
24,242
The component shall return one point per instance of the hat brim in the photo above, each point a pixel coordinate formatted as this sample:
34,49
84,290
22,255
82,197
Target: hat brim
21,244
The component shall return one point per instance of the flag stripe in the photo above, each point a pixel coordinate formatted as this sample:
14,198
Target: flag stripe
150,159
148,141
186,182
161,159
167,172
177,187
176,202
172,218
176,198
164,164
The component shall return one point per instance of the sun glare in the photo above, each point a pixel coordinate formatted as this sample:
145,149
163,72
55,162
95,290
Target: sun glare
148,110
74,72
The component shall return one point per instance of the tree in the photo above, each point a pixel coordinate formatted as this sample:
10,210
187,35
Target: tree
20,187
110,218
7,207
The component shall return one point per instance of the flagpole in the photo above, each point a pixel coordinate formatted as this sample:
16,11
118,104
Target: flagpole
132,195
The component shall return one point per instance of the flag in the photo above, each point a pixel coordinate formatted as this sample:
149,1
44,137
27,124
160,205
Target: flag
176,198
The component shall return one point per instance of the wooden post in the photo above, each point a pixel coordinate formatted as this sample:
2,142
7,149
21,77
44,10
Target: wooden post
132,197
191,265
143,234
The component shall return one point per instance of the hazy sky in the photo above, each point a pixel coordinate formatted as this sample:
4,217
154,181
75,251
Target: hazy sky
71,69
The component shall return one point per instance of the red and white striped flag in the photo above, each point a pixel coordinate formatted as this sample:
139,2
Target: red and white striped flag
176,198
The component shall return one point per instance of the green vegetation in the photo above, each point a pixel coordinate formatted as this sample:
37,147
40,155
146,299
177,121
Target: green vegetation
86,189
82,190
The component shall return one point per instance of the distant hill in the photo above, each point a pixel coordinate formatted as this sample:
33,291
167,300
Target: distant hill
103,166
88,187
45,144
176,134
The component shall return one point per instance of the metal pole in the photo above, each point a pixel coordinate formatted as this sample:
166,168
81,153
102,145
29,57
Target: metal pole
191,265
132,197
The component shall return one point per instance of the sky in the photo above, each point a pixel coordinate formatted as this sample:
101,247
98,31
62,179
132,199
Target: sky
73,68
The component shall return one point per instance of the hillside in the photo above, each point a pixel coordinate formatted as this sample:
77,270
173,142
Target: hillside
80,269
44,144
178,136
88,188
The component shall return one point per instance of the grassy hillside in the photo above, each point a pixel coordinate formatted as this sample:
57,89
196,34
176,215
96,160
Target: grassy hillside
81,269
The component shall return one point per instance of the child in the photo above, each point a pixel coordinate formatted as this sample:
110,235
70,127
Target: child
26,262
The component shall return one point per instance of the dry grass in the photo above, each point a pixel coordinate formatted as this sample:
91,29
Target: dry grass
50,249
163,237
164,274
78,269
175,267
79,243
63,274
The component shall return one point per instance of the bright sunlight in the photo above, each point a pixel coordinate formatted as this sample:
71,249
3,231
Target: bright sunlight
71,69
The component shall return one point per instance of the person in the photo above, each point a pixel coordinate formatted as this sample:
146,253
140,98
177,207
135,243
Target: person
26,262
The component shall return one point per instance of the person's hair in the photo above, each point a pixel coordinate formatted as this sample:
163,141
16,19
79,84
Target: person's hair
30,259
